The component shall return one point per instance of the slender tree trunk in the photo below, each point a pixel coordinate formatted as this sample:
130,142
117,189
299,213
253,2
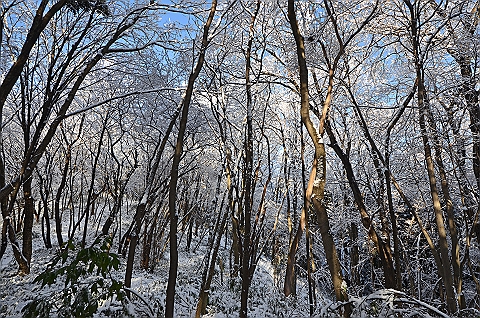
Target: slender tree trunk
316,185
424,110
210,260
354,257
289,284
9,231
383,246
3,201
246,238
58,196
172,197
311,284
117,205
45,194
148,239
122,246
442,234
91,196
29,210
140,213
383,249
388,180
395,234
455,247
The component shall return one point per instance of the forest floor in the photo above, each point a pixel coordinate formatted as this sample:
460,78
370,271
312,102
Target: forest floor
266,297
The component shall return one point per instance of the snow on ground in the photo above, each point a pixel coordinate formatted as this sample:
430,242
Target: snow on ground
266,299
149,288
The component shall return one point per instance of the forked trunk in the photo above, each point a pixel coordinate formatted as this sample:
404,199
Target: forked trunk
316,185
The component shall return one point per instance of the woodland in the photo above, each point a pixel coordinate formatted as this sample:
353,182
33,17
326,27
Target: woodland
239,158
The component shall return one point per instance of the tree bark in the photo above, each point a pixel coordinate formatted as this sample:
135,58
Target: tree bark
246,243
140,212
172,275
316,185
211,257
91,197
383,250
424,110
28,209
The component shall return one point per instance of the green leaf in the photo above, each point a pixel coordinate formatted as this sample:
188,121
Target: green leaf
80,297
38,308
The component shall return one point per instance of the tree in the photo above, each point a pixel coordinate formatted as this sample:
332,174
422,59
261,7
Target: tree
170,301
316,185
61,89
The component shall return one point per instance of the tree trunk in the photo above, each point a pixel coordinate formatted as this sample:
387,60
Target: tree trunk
172,197
354,257
289,286
45,187
118,200
140,212
383,250
148,239
455,247
58,196
246,243
424,110
91,197
210,261
316,185
442,234
29,210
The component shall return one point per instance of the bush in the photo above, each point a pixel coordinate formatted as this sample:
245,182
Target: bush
87,281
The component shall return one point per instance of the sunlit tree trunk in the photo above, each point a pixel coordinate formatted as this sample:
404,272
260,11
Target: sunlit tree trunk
424,111
439,219
316,184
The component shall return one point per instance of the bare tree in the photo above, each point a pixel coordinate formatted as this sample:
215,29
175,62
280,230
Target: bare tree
170,299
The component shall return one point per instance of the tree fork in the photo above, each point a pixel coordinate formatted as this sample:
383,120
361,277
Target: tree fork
315,189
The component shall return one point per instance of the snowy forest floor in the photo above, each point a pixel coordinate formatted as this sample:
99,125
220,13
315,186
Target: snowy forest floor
266,298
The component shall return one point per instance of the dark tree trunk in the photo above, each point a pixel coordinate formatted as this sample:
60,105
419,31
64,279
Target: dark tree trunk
117,205
44,195
58,196
210,258
91,196
133,242
172,197
29,210
384,250
354,256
